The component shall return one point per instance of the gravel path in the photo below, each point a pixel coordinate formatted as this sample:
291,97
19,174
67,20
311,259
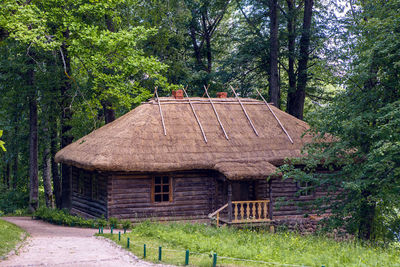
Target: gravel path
52,245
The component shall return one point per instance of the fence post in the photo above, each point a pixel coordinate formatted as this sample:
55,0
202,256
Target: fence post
187,257
119,236
99,230
159,253
102,229
214,260
127,242
112,228
144,251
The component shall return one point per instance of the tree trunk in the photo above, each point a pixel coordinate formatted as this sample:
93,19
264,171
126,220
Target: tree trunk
291,28
296,107
8,174
33,154
207,39
196,48
366,216
54,166
46,169
66,138
109,113
15,157
274,90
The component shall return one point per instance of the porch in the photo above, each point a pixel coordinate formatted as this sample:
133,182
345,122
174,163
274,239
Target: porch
246,202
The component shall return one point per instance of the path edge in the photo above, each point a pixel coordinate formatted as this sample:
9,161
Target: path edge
19,245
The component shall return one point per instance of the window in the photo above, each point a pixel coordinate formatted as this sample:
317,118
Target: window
81,182
95,187
162,189
305,188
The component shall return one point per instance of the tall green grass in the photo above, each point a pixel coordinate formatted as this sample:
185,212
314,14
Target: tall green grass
10,235
282,248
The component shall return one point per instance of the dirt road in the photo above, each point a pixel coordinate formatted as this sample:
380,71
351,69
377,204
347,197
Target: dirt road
51,245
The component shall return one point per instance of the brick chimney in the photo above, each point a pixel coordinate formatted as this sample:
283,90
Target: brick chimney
178,94
222,95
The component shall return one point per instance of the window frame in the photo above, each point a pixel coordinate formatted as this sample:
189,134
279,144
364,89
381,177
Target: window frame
170,188
305,191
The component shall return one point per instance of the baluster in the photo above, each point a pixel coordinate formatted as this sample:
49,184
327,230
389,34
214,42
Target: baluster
265,210
254,210
259,210
241,211
236,211
248,210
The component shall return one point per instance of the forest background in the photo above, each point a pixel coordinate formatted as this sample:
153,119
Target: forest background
69,67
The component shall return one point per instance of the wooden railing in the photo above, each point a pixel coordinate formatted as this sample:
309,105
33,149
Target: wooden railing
216,213
245,211
250,211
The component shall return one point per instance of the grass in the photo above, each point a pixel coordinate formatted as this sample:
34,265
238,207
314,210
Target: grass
10,235
283,248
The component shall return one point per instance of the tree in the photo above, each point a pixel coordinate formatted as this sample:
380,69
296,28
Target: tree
96,62
363,155
296,99
274,89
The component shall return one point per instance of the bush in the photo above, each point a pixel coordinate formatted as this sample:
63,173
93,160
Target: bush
126,224
12,200
114,222
101,222
62,217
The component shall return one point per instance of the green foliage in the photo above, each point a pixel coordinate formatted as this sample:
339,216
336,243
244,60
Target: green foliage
2,142
364,155
114,222
126,224
13,200
101,222
62,217
10,235
281,248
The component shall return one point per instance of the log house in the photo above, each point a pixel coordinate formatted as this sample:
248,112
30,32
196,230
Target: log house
179,158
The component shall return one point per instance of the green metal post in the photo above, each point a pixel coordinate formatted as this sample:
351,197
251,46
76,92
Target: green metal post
112,228
102,229
214,260
99,230
119,236
127,243
124,231
187,257
144,251
159,253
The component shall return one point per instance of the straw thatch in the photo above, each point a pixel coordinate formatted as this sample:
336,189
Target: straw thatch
136,142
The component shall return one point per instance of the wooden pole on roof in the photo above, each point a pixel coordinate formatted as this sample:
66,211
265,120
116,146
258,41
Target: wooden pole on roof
159,106
197,118
215,111
273,113
244,110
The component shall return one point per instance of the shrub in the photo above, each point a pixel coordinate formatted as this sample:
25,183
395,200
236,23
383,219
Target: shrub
126,224
11,200
62,217
101,222
114,222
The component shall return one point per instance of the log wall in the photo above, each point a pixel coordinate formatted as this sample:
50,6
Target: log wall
84,202
285,197
129,196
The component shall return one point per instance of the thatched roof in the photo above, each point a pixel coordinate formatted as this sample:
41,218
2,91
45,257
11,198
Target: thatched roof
136,142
